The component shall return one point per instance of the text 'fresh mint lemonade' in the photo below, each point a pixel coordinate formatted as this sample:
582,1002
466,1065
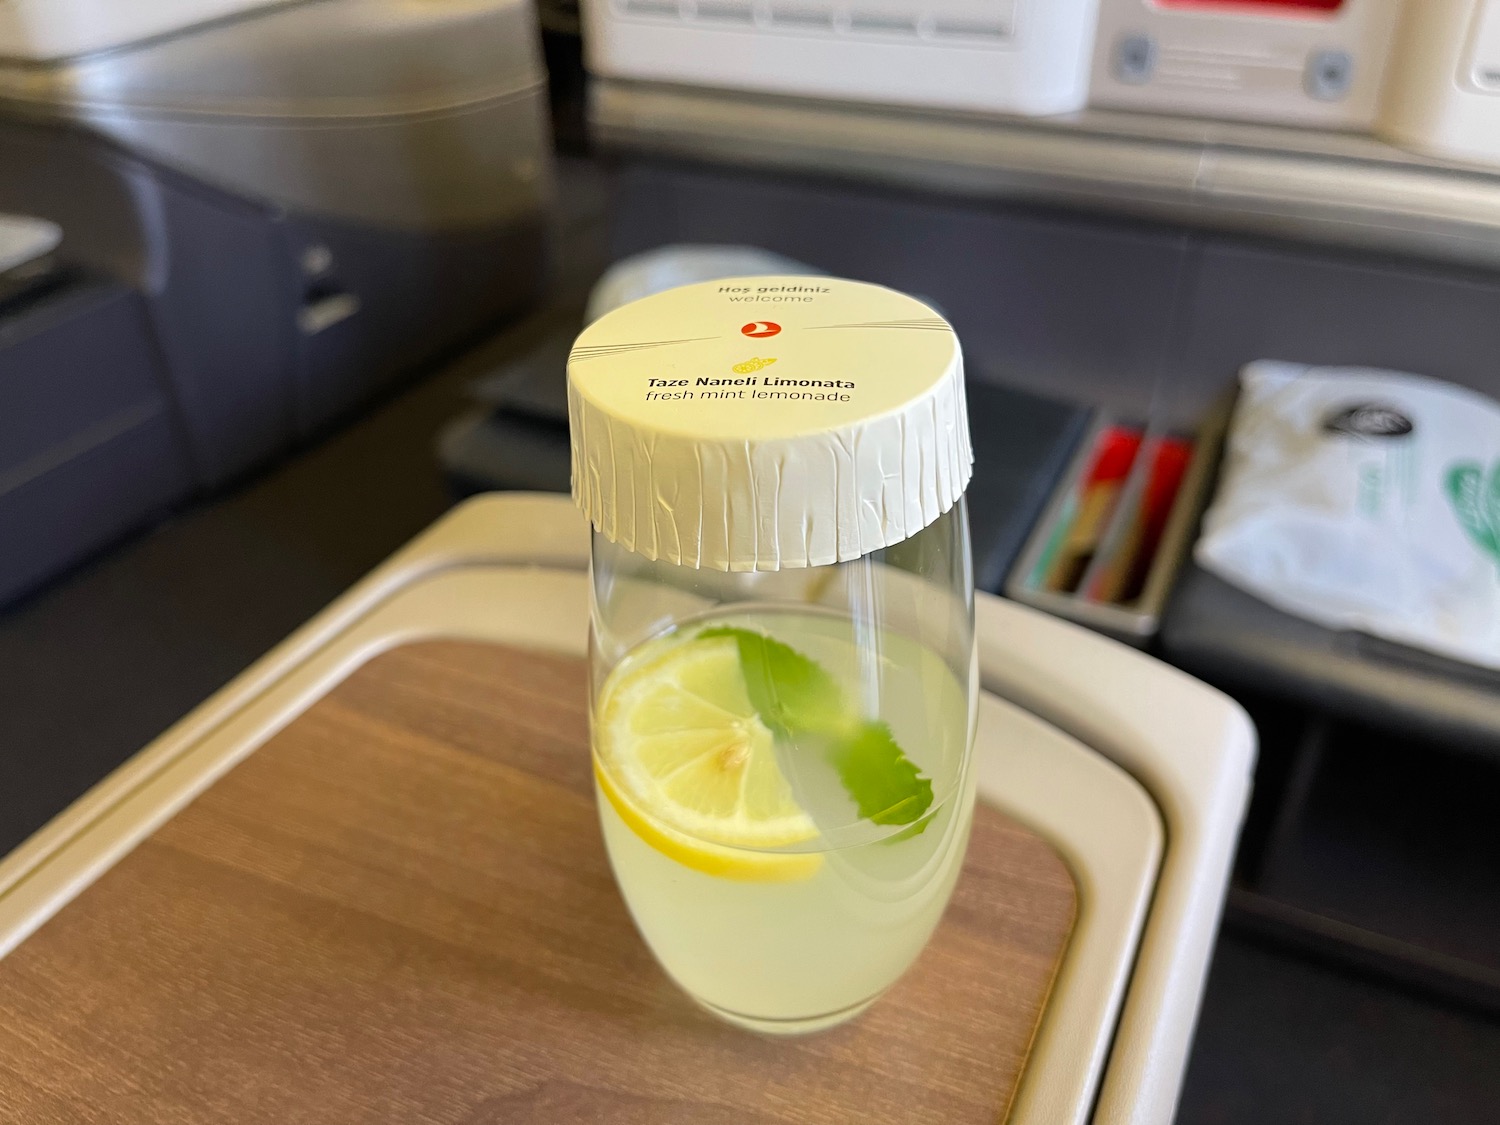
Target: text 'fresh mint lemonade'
782,650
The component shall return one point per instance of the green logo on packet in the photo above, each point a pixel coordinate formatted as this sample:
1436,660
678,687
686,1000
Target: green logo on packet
1476,502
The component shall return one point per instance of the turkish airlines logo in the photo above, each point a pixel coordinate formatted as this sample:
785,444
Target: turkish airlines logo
761,329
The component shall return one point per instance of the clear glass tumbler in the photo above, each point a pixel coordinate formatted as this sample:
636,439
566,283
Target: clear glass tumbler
782,752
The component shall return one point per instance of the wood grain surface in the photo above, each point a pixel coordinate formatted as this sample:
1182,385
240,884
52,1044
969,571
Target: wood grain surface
399,910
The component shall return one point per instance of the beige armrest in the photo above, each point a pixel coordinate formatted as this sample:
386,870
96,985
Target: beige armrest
1193,748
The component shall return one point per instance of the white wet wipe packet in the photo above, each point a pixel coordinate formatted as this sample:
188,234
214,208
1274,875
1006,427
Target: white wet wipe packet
1365,500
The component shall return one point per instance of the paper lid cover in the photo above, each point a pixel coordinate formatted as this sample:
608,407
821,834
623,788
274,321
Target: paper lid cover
767,422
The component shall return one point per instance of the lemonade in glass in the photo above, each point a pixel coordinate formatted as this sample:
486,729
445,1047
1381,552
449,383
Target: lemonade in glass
781,720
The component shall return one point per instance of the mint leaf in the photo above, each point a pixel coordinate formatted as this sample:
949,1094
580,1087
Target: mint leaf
792,694
799,701
884,783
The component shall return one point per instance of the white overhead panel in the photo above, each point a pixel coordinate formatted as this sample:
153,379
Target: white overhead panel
1005,56
1305,62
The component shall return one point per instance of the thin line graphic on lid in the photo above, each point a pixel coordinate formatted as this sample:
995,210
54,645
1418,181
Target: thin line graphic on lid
642,344
932,324
597,350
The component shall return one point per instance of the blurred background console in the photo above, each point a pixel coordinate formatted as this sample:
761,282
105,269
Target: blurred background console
267,212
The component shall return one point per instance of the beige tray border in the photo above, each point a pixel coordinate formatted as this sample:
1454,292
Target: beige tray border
510,569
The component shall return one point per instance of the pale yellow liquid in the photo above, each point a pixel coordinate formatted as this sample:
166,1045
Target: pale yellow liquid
796,956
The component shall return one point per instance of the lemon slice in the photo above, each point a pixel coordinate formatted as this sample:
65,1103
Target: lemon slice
687,763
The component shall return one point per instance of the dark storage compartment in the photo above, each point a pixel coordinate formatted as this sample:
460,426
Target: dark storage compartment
89,446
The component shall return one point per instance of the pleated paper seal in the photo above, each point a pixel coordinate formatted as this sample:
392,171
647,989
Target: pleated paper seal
767,422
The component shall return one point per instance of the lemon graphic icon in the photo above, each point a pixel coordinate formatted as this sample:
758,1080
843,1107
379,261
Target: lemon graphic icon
751,365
